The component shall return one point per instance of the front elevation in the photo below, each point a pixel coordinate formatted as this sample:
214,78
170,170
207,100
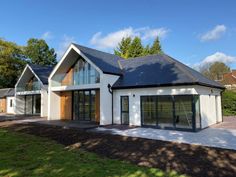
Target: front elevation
156,91
31,97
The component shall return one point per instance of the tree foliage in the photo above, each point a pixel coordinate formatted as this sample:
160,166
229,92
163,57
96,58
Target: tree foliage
215,70
39,52
229,103
12,61
130,48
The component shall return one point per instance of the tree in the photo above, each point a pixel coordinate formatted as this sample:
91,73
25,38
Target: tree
136,48
39,52
215,70
12,62
156,47
130,48
123,47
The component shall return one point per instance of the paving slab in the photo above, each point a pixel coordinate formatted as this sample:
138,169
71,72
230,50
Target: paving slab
212,137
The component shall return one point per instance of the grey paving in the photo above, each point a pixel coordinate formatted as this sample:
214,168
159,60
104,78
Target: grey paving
213,137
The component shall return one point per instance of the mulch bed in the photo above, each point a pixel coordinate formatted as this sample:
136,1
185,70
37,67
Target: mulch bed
191,160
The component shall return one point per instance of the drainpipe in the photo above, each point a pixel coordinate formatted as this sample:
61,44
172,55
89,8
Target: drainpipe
111,92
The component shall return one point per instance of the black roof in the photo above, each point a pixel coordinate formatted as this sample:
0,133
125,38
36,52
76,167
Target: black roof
107,62
159,70
7,92
42,72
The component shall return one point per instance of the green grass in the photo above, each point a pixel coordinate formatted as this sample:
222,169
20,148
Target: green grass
26,155
229,103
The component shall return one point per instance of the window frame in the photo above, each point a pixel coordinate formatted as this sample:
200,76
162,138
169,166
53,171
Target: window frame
121,109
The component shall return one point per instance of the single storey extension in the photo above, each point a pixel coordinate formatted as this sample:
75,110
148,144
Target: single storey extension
154,91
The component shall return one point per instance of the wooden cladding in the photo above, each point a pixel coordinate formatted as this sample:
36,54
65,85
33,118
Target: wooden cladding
68,79
66,105
3,106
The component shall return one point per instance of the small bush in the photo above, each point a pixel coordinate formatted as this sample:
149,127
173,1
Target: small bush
229,103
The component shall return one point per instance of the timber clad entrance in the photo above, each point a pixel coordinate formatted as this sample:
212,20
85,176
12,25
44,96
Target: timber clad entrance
66,102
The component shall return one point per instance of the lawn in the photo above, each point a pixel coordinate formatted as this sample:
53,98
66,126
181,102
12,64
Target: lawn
27,155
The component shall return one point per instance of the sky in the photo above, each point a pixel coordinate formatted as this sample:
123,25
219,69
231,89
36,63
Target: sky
194,32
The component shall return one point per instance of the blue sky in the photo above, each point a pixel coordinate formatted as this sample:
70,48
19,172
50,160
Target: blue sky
194,32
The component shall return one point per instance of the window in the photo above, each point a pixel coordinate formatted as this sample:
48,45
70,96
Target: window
79,74
124,109
11,103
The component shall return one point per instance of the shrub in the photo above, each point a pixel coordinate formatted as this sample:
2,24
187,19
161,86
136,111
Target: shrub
229,103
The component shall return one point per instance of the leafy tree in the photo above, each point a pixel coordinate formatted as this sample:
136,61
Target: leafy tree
136,48
123,47
215,70
12,61
39,52
156,47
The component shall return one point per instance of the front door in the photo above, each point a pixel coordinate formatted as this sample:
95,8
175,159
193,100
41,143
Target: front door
66,102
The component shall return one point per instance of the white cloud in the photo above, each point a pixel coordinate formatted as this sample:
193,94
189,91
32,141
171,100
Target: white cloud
216,57
64,44
214,34
111,40
220,57
47,35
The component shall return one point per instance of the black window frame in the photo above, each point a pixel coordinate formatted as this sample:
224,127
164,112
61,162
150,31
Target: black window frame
193,100
121,110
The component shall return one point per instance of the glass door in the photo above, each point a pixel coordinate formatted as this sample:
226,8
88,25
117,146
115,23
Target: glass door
125,110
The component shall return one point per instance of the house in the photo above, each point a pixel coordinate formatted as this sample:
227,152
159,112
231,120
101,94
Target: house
153,91
31,91
7,100
229,80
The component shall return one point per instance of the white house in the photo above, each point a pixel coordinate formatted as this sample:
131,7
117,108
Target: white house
31,91
7,100
156,91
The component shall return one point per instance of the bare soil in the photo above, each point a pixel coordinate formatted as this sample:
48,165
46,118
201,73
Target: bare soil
191,160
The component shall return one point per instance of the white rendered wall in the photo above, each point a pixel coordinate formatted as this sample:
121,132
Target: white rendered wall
207,106
44,103
19,104
106,98
10,110
53,105
134,100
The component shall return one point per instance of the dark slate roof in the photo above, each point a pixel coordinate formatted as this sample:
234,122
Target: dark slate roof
107,62
11,92
7,92
42,72
159,70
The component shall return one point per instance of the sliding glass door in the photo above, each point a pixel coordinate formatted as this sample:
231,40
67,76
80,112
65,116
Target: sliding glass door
180,111
33,104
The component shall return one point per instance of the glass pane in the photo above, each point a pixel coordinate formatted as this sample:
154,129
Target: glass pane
125,110
37,100
76,105
165,111
197,111
86,105
93,106
149,110
28,104
125,118
81,105
183,111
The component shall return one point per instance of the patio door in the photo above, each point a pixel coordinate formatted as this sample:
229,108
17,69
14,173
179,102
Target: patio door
86,105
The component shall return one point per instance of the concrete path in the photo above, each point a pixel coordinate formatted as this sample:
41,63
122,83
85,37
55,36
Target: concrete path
213,137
